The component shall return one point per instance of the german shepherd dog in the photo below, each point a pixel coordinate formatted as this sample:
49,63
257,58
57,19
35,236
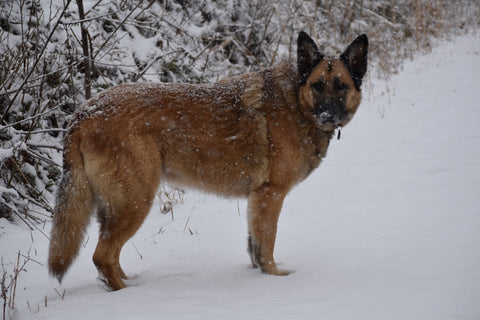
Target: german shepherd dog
255,135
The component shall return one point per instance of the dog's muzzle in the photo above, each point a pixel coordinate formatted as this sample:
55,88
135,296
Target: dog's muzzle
330,115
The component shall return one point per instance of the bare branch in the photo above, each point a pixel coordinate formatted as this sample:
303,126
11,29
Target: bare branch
32,69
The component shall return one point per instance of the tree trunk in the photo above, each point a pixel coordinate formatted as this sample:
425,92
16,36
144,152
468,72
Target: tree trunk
86,51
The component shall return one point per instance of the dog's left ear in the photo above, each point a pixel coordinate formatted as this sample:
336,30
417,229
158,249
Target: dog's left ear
355,58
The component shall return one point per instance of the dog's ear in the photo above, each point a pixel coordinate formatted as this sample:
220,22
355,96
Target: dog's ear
355,58
308,56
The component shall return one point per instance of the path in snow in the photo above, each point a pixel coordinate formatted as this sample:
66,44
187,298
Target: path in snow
387,228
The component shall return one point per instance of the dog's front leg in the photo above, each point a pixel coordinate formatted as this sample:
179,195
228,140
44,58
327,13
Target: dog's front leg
264,207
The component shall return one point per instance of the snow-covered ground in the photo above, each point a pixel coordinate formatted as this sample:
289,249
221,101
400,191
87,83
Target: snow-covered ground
387,228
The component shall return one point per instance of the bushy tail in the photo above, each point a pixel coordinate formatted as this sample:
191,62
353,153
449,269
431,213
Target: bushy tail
73,209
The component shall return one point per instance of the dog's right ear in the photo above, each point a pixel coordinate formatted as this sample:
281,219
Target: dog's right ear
308,56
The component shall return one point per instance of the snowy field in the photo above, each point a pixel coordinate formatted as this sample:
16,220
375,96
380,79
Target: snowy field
387,228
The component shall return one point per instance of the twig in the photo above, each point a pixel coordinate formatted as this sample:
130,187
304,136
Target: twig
16,271
137,77
35,145
8,292
62,296
86,52
141,257
82,20
85,244
93,7
32,69
31,185
188,220
47,160
30,259
115,31
41,131
29,118
4,290
383,19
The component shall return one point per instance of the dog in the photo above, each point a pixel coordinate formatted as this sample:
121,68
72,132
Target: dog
255,135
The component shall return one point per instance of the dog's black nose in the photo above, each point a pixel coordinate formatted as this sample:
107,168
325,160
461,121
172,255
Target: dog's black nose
326,117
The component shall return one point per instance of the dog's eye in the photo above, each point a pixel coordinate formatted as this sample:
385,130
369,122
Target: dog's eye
318,86
339,85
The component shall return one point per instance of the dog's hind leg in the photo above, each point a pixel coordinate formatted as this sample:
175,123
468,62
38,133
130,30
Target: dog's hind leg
125,190
264,207
116,227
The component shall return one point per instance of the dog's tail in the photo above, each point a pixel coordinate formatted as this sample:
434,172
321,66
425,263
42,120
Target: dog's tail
73,209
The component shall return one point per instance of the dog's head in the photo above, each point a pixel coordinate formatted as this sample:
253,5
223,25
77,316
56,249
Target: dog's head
330,87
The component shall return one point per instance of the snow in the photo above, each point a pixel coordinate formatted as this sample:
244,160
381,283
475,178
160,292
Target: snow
387,228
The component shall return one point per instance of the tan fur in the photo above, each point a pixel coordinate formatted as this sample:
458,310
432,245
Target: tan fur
248,136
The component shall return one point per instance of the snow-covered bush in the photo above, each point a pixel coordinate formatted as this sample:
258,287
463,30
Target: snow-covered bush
43,66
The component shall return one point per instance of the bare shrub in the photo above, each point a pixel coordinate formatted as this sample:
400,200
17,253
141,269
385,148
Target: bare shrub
50,56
